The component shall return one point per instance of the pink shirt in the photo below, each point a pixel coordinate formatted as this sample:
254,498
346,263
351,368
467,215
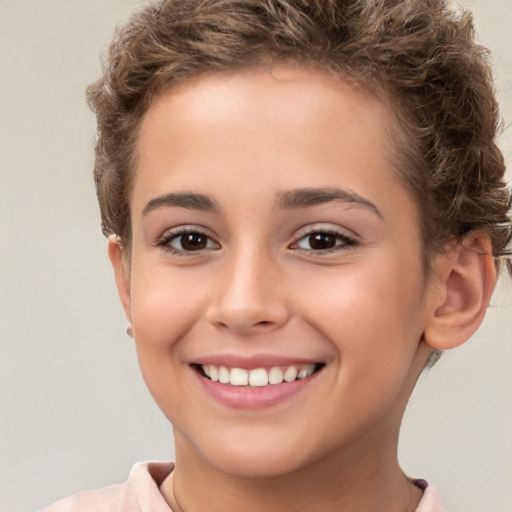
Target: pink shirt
140,493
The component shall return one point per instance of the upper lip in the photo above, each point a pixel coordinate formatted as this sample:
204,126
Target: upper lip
250,362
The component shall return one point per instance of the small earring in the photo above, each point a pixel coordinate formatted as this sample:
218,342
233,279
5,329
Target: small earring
129,331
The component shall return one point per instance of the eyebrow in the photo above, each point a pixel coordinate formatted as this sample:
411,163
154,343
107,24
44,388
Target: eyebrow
304,197
288,200
187,200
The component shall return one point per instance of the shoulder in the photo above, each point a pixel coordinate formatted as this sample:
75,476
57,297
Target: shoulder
108,499
431,501
139,492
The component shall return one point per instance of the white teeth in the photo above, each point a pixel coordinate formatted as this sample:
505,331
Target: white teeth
302,373
214,373
257,377
290,374
275,376
306,371
224,375
239,377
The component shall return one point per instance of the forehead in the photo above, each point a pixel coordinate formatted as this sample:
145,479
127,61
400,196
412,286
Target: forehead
264,129
275,94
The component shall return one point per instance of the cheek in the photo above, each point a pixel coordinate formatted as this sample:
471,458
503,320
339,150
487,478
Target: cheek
164,309
372,317
164,306
374,327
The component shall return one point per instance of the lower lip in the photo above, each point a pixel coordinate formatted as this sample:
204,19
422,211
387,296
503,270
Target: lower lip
241,397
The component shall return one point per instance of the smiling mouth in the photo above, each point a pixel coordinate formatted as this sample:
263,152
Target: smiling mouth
257,377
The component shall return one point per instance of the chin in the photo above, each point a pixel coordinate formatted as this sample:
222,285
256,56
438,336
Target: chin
256,465
257,456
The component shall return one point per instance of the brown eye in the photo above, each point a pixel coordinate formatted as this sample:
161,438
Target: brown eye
186,240
192,241
322,241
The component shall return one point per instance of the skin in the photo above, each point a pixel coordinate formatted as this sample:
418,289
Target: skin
364,308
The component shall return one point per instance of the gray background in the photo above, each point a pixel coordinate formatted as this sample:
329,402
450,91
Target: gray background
74,411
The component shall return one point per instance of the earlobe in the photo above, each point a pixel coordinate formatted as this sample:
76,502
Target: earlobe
121,273
466,277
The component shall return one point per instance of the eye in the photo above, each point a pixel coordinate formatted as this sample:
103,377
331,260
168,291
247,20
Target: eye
187,240
324,240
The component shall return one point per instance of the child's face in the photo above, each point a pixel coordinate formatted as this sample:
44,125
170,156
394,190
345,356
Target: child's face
270,230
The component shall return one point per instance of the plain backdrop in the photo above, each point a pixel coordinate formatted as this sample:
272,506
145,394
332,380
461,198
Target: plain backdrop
74,412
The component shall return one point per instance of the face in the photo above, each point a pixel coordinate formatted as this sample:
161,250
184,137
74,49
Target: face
275,283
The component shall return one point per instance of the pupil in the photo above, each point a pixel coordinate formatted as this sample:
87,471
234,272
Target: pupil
193,241
322,241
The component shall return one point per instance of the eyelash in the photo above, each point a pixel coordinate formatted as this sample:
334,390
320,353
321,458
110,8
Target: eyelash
166,240
346,241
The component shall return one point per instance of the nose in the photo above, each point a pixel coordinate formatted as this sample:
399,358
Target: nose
250,297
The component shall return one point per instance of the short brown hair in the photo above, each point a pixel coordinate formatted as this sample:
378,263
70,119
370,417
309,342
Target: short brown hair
418,54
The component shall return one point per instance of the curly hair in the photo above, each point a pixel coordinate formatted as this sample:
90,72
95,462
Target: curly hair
419,55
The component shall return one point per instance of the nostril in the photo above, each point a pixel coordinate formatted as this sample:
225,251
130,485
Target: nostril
243,315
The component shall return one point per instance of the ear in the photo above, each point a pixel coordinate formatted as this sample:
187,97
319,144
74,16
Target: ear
121,273
464,280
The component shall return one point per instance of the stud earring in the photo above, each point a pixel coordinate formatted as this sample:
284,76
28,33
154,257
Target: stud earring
129,331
